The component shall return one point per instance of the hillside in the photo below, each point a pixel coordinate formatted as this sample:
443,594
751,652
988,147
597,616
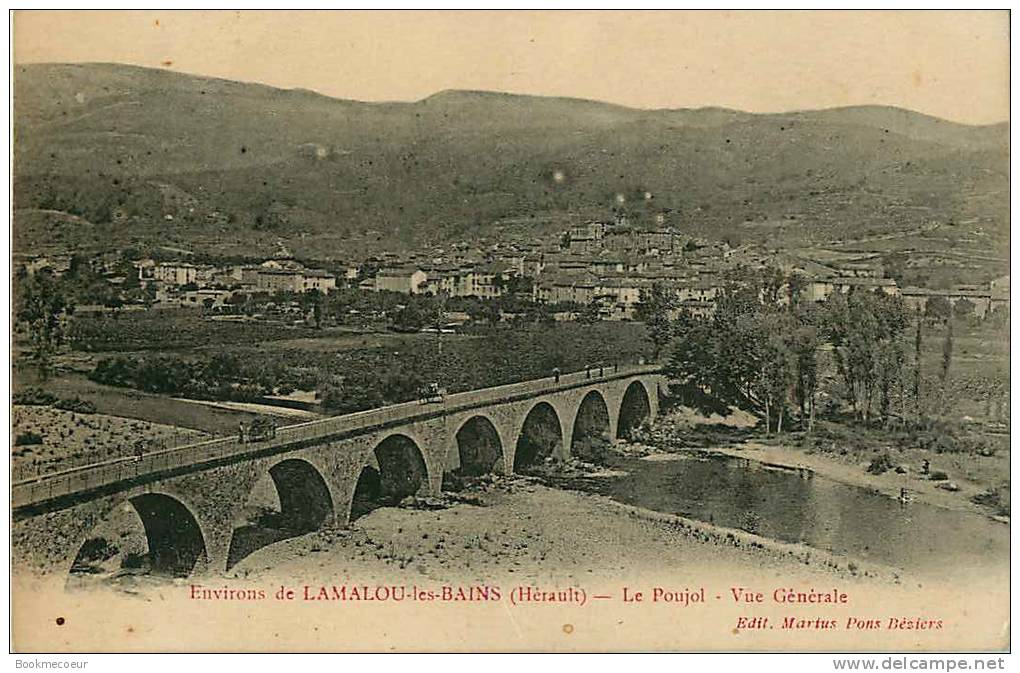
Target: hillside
113,153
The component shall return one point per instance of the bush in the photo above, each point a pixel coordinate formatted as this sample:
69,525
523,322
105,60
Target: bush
881,464
947,438
33,396
133,561
76,404
750,521
938,475
994,498
27,439
595,450
93,552
97,549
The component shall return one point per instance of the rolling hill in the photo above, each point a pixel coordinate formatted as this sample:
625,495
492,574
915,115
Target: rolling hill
110,154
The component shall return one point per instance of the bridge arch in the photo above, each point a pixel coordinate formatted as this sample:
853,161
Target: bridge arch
304,502
540,436
635,409
174,540
479,447
592,425
396,468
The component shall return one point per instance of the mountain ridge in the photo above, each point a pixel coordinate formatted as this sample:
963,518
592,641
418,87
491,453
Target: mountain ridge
127,146
488,93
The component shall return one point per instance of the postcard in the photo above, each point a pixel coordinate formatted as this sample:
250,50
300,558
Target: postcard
501,331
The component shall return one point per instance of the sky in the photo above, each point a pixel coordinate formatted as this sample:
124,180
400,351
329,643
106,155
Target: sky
951,64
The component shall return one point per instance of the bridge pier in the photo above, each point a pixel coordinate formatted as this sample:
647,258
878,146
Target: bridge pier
433,487
614,424
566,447
217,549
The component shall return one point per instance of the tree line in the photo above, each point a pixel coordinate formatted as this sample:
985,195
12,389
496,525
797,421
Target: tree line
767,349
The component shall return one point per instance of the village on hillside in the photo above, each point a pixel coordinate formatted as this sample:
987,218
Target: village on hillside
605,266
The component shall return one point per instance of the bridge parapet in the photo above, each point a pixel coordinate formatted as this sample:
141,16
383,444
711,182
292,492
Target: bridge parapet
209,453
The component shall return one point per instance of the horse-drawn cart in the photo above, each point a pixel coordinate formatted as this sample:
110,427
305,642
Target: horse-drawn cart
259,429
431,393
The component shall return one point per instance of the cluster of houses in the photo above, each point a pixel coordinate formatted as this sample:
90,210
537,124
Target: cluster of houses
183,283
610,264
603,264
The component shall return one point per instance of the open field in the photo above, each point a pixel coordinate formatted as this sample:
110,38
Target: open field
339,340
135,404
978,381
172,330
48,439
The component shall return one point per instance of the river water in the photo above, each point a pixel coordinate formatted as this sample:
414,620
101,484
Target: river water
800,507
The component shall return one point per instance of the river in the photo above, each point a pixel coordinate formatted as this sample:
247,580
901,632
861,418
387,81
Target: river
802,507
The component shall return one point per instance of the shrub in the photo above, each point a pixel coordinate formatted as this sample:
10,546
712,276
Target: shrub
93,552
995,499
97,549
938,475
750,521
133,561
246,392
33,396
27,439
594,450
76,404
881,464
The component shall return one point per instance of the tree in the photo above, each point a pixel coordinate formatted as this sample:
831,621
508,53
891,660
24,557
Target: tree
742,357
778,368
410,318
865,329
520,286
484,311
312,301
804,348
947,361
917,364
589,314
964,308
694,370
795,285
655,309
938,308
43,307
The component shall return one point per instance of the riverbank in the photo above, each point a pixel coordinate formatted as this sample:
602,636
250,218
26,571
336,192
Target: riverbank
967,476
520,530
854,473
540,556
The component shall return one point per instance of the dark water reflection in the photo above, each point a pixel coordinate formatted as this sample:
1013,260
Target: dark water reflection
791,507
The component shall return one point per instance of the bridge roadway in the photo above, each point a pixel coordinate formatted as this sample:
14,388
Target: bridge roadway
336,450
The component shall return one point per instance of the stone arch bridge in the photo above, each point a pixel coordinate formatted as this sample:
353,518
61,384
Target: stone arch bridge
325,472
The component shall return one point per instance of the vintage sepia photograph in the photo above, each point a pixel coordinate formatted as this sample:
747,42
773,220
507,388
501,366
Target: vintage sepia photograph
510,331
